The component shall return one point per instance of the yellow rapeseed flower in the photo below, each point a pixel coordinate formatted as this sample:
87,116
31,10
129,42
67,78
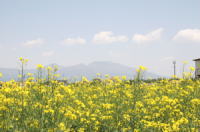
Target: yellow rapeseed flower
192,68
185,62
1,74
40,66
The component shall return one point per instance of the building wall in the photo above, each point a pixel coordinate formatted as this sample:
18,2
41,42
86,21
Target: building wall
197,67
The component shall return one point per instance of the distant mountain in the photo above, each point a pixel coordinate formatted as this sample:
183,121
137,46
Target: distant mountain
77,71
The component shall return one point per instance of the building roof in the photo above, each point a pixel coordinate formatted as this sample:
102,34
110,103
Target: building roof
197,59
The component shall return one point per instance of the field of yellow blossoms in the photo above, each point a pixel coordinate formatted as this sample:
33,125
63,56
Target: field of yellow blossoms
110,104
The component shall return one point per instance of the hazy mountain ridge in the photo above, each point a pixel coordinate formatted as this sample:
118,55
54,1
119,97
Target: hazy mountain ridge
76,71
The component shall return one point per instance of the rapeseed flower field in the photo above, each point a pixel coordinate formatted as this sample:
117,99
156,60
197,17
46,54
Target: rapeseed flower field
110,104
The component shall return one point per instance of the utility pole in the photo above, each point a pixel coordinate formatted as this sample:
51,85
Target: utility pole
174,63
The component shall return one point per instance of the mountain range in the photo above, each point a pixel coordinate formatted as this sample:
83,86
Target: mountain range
79,70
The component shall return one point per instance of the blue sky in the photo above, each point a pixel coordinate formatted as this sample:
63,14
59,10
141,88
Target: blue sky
131,32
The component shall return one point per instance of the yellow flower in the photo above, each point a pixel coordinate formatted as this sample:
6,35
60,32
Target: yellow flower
185,62
81,130
49,68
107,106
192,68
84,79
61,126
29,74
174,76
98,74
24,61
195,101
123,77
127,117
20,58
107,75
142,68
19,76
40,66
1,74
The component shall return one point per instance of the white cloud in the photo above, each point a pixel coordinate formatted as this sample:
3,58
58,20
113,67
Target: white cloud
117,54
191,35
48,53
114,54
74,41
149,37
14,49
32,43
108,37
168,58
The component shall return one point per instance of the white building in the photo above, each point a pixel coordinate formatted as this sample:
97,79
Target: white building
197,68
